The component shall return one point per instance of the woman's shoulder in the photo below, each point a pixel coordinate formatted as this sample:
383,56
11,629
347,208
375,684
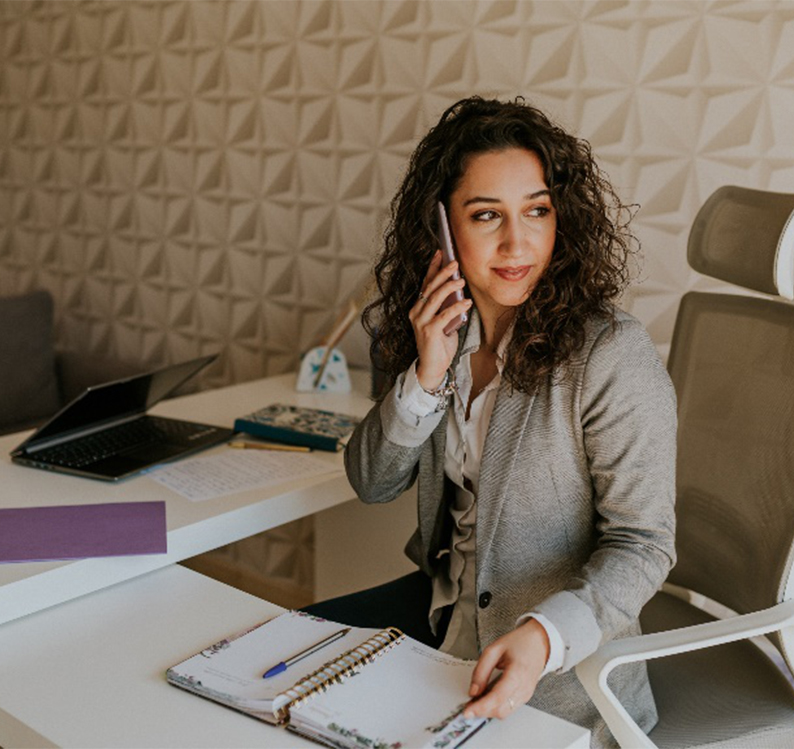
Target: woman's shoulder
620,363
619,340
618,330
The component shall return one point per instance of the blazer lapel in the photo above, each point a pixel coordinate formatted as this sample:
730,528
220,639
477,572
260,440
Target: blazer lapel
506,431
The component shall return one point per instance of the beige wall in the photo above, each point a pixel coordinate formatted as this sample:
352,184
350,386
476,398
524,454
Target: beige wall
205,176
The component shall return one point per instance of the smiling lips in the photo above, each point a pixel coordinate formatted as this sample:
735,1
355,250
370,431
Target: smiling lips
513,274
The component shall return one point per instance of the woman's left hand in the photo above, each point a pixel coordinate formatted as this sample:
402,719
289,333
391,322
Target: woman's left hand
521,655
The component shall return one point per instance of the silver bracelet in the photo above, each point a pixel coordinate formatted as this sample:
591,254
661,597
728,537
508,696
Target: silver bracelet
447,387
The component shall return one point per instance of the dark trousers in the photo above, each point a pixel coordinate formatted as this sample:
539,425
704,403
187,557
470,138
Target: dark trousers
403,603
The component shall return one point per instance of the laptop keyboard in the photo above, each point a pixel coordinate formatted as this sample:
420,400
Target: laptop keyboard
115,440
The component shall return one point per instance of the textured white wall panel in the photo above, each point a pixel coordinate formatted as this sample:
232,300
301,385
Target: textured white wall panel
213,175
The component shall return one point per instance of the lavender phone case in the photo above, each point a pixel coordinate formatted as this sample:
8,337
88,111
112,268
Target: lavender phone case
448,255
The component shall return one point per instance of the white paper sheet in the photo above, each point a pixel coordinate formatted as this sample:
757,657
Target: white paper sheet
233,471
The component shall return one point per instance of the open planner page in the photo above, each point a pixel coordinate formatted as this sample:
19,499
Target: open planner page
409,696
231,671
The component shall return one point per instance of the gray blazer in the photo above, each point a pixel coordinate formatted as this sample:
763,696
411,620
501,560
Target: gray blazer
575,514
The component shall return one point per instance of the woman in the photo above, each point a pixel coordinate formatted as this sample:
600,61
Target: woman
542,433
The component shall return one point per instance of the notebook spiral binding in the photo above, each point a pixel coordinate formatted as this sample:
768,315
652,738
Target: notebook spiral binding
340,669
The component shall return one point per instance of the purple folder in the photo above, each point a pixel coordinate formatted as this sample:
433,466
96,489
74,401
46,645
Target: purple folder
29,534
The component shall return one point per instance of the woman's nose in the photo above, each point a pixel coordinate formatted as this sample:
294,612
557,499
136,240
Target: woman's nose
513,236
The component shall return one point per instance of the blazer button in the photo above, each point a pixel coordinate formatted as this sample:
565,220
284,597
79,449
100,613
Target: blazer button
485,599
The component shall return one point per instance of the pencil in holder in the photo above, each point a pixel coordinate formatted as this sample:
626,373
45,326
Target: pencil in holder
323,370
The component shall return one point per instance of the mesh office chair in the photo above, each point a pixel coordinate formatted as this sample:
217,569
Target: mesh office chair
732,363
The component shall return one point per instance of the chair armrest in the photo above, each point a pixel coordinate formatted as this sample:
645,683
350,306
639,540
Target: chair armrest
594,670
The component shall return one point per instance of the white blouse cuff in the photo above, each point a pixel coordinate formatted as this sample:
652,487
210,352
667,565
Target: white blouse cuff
556,645
414,398
405,421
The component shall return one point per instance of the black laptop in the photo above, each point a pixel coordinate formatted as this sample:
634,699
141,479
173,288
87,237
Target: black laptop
106,433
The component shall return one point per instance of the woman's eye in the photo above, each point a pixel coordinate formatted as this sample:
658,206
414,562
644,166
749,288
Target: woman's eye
539,211
485,216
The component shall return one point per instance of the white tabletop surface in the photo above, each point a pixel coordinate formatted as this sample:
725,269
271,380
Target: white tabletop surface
91,673
193,527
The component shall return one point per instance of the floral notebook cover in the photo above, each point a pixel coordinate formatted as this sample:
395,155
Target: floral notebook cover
299,425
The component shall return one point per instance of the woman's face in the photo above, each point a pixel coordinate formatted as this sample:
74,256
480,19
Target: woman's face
504,226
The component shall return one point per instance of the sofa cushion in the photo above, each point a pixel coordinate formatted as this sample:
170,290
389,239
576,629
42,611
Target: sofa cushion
28,384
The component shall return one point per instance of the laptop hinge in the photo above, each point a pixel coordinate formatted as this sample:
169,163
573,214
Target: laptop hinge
78,433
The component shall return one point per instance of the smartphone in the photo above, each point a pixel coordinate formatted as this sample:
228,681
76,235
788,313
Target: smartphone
447,256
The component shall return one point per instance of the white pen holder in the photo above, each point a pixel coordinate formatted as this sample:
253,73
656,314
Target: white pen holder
335,376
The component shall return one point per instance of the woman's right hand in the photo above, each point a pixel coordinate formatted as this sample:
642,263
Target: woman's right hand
436,349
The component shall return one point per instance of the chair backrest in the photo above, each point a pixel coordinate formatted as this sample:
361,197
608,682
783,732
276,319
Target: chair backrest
28,381
746,237
732,364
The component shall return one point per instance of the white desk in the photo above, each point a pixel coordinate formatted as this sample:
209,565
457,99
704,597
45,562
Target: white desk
91,673
193,527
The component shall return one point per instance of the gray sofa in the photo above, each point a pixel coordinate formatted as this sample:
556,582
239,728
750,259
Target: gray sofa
37,380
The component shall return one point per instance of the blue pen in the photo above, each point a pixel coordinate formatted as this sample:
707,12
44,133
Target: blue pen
284,665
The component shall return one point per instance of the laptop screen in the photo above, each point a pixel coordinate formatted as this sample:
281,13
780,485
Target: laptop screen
101,404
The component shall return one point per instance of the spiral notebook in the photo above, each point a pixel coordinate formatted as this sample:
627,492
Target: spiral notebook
368,688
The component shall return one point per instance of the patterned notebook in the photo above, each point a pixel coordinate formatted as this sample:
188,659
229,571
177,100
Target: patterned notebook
298,425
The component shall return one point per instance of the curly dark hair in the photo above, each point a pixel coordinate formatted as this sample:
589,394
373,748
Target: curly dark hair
589,266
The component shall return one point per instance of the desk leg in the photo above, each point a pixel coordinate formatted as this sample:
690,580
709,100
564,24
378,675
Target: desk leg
359,546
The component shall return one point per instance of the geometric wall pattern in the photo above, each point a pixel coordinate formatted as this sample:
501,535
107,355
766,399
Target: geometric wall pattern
195,176
188,177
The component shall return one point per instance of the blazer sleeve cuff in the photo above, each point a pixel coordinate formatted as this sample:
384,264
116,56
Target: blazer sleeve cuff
576,625
402,423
